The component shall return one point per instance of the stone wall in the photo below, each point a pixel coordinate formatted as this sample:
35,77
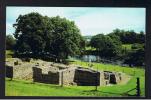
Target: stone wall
109,77
87,77
61,74
76,76
51,77
9,71
67,76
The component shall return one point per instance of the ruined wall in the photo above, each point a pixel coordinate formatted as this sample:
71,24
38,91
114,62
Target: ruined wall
87,77
67,76
51,77
108,77
103,81
9,71
75,76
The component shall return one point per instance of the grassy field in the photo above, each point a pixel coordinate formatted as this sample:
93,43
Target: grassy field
90,48
27,88
108,67
127,46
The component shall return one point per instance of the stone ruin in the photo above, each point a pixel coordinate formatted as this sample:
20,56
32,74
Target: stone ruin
68,76
108,77
76,76
9,72
62,74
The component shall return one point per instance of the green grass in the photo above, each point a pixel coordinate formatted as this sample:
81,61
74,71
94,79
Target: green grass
90,48
27,88
127,46
9,53
133,72
108,67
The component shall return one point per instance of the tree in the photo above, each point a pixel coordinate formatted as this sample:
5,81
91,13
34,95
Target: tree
129,37
135,58
67,40
29,33
141,37
10,42
41,35
106,46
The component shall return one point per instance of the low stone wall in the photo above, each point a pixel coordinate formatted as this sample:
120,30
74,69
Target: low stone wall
9,71
67,76
87,77
111,77
51,77
54,73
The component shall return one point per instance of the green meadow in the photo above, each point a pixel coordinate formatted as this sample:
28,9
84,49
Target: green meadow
28,88
127,46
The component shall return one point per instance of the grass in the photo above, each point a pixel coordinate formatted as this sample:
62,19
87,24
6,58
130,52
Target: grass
27,88
127,46
90,48
108,67
9,53
133,72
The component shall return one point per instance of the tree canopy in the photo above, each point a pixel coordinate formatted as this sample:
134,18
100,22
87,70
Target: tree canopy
129,37
105,45
39,34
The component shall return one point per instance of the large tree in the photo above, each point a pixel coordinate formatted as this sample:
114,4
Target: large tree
67,40
39,34
106,46
29,33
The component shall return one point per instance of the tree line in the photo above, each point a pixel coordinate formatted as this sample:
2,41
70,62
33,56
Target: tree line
110,46
44,37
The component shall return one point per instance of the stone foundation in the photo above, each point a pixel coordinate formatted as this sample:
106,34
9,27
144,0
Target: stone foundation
69,76
54,73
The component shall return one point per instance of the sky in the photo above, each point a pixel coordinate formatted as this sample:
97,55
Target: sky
90,20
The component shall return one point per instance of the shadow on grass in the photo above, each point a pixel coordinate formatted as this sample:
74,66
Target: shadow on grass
94,92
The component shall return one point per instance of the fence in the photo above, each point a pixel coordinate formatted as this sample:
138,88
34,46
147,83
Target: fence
137,88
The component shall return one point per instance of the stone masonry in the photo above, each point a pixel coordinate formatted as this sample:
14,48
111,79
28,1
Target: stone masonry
54,73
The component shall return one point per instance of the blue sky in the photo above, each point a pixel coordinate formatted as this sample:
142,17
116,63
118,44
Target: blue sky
90,20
